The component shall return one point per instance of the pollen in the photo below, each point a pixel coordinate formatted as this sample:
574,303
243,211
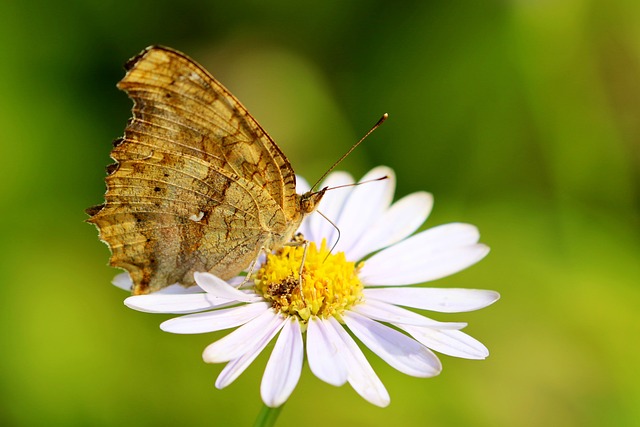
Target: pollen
328,284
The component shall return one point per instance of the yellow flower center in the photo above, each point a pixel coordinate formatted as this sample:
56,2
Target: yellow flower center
328,286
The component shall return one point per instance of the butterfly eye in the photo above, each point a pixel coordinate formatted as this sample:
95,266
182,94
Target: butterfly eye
309,201
306,204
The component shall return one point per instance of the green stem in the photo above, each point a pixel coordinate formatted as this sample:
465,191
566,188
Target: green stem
268,416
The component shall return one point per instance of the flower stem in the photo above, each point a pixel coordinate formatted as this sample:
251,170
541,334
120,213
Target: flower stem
267,416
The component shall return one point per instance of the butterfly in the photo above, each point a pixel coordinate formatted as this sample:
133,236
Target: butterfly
197,183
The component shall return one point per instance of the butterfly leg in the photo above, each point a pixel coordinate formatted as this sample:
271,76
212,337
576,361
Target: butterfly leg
299,240
305,243
252,266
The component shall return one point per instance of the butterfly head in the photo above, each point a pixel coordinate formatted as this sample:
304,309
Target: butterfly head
309,200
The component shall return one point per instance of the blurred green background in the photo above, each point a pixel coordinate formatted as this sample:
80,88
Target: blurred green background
521,116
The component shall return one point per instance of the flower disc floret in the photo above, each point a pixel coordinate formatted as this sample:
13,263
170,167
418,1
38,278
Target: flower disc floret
328,286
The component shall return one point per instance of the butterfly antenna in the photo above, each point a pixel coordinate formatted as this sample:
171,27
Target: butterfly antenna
355,184
376,126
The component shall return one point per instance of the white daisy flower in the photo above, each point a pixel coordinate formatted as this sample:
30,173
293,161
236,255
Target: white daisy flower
360,286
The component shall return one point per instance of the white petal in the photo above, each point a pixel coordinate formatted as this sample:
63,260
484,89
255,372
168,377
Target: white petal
221,289
361,375
446,300
284,367
214,320
235,367
398,350
302,186
398,222
430,255
244,338
383,312
331,205
411,271
176,304
453,343
123,281
323,348
178,289
365,205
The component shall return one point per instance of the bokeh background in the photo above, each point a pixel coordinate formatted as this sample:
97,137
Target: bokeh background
520,116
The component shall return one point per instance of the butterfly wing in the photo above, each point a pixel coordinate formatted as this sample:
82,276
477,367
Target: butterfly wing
197,185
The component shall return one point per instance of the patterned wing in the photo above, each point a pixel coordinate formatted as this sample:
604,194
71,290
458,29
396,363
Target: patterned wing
178,102
197,184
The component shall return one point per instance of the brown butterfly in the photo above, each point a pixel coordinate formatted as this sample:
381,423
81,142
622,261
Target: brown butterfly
198,185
